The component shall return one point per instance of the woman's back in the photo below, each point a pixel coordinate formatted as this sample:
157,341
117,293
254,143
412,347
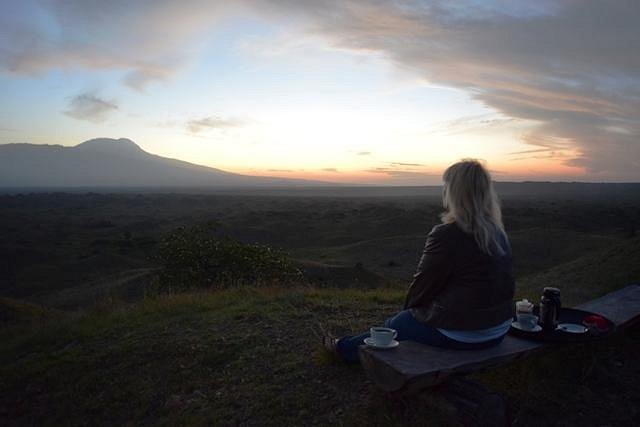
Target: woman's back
458,286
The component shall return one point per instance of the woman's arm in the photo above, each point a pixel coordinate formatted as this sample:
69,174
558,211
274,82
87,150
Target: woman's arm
434,269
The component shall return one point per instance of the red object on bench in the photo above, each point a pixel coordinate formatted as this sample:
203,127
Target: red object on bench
596,321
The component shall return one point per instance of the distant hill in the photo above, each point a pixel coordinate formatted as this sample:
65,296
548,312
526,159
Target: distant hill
590,275
105,162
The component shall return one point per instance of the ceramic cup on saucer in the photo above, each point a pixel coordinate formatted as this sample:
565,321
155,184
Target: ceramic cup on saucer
523,307
382,336
528,322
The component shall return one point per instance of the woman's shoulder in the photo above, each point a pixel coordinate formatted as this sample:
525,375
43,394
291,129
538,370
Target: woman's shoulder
451,235
445,236
445,231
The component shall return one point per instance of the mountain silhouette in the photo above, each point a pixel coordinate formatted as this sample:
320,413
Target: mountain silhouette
106,162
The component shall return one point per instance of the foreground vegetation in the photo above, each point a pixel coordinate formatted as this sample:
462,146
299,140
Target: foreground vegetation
194,257
94,332
251,356
69,251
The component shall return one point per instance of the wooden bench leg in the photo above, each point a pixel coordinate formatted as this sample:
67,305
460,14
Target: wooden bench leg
476,404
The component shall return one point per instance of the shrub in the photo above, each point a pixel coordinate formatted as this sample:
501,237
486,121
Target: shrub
193,257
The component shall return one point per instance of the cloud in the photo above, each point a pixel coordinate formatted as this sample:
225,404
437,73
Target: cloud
140,77
405,164
330,169
535,150
570,67
547,153
212,122
280,170
398,173
363,153
473,124
89,107
148,40
408,173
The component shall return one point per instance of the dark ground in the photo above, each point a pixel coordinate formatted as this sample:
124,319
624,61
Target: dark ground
57,248
82,344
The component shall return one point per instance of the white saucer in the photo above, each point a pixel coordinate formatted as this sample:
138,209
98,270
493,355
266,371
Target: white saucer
572,328
518,326
370,343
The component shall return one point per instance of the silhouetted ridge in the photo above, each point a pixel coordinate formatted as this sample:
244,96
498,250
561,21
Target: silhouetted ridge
107,162
120,147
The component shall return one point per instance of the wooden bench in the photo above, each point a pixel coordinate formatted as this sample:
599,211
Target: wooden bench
412,366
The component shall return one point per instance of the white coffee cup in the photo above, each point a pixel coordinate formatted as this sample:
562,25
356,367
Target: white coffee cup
527,321
382,336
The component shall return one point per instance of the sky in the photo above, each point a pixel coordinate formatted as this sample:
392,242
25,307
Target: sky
377,92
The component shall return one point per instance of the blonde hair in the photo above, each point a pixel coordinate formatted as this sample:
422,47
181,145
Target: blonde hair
471,202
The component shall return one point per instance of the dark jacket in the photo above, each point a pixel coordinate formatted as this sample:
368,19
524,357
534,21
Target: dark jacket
459,287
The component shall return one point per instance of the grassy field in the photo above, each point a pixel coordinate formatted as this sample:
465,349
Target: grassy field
68,250
252,357
598,272
85,340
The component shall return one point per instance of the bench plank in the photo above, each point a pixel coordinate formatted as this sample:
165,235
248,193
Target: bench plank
622,307
418,365
413,366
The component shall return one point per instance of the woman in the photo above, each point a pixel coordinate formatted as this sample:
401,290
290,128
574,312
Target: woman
461,295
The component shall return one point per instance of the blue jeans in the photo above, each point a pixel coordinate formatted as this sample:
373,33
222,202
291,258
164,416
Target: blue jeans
409,328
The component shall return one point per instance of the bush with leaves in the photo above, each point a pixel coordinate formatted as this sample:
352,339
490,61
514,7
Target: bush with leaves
193,257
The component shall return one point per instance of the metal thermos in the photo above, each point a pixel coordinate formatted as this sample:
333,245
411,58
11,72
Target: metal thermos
549,308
